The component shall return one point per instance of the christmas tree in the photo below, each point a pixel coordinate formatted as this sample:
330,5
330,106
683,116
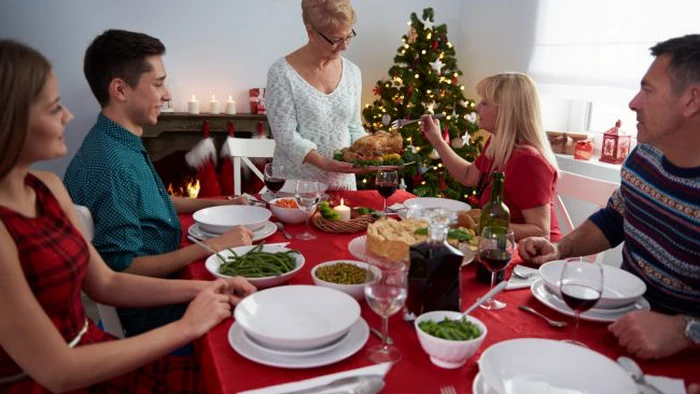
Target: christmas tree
424,80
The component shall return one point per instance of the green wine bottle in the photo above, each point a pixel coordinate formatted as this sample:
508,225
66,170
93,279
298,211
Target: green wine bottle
493,213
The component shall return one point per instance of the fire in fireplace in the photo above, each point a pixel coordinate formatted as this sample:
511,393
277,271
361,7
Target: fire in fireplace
180,179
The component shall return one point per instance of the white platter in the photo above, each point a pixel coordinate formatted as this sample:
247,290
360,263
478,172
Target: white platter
350,344
213,263
265,231
434,202
541,292
508,367
358,248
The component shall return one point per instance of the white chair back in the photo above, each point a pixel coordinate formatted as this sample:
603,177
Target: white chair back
583,188
241,149
108,314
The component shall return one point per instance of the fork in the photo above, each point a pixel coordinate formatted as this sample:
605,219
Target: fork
399,123
448,390
552,323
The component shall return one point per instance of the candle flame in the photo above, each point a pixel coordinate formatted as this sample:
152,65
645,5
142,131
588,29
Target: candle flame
230,98
193,98
342,202
213,97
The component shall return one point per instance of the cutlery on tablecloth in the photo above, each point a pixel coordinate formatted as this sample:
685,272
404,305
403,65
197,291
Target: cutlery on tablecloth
379,335
553,323
368,384
497,289
636,373
280,227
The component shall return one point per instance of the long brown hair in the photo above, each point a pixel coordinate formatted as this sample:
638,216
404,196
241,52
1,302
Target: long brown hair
23,74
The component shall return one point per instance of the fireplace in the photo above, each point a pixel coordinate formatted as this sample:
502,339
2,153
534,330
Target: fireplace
175,135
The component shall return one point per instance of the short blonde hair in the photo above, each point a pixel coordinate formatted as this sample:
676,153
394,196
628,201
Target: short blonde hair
518,123
321,14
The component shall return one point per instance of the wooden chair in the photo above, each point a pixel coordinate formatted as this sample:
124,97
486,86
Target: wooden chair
241,149
582,188
108,314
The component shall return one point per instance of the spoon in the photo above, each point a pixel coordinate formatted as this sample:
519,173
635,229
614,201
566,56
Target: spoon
280,227
636,373
362,384
553,323
497,289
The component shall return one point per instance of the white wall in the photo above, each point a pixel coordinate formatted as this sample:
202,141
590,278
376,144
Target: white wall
217,47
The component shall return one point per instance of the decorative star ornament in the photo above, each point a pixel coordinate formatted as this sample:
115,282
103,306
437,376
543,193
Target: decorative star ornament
428,25
437,65
471,117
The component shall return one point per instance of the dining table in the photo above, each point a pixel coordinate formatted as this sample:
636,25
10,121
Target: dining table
225,371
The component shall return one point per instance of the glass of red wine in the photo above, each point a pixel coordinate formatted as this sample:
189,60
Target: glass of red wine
581,286
274,178
386,183
496,247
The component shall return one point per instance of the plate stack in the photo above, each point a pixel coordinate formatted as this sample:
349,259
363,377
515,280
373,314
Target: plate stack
298,327
214,221
622,293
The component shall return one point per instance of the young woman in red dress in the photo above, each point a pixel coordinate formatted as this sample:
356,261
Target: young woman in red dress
47,344
510,111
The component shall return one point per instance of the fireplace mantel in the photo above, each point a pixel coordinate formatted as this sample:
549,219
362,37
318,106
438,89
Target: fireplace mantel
181,130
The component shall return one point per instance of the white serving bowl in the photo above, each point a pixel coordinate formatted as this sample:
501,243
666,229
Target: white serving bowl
533,365
297,317
355,291
434,202
620,287
220,219
287,215
213,262
446,353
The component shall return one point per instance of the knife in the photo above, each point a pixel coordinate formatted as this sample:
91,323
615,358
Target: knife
358,384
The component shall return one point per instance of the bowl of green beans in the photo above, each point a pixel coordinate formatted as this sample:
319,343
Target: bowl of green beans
263,265
448,339
348,276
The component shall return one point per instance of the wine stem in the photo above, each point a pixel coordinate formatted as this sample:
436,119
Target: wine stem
385,332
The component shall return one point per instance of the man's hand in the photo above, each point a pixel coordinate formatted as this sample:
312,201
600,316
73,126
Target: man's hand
651,334
236,236
537,250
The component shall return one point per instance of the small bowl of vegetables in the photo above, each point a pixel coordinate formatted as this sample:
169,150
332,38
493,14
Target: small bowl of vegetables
348,276
449,340
287,210
263,265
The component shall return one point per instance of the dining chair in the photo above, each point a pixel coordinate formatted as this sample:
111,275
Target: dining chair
108,314
241,150
582,188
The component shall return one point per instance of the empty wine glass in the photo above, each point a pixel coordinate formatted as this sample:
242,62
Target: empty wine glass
386,295
581,286
496,247
386,183
308,195
274,178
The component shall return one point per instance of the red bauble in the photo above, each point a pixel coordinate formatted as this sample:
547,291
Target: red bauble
443,185
435,45
446,134
377,90
473,200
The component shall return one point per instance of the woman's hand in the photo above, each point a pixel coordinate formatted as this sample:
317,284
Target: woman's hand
236,236
431,129
239,288
209,308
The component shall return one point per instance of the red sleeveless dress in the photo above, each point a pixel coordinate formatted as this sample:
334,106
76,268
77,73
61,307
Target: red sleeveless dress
54,258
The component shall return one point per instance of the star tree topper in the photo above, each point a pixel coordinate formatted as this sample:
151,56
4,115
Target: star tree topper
428,25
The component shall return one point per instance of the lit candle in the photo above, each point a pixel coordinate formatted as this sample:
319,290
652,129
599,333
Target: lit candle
343,211
214,106
193,105
230,106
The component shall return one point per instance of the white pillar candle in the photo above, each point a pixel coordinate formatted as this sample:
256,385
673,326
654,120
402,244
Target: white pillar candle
193,105
230,106
343,211
214,106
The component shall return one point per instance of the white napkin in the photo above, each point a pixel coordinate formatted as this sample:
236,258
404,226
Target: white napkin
515,282
396,206
666,385
378,369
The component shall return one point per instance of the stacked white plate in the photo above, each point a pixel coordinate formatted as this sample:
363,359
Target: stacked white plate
298,327
434,202
534,366
622,293
218,220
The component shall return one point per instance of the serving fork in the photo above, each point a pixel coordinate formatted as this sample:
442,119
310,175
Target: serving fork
399,123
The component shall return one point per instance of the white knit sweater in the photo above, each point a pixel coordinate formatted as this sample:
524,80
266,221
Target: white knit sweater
302,118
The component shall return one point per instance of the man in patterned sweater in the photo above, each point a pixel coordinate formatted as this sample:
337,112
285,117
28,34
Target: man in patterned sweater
656,210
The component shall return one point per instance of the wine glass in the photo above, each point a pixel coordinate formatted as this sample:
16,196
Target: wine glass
386,295
386,183
581,286
274,178
308,195
496,247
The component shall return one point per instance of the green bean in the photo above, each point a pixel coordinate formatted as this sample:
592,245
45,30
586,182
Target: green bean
453,330
256,264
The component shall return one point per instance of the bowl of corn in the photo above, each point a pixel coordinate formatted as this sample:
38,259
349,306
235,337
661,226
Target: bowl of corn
348,276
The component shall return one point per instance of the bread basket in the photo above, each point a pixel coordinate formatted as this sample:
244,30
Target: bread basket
354,225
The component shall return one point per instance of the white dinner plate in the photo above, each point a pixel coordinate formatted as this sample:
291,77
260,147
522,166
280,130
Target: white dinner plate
294,353
559,367
541,292
435,202
480,386
265,231
350,344
358,248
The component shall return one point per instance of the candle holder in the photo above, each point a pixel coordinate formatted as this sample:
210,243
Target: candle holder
616,145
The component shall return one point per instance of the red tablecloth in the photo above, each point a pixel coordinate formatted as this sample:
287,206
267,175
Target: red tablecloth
227,372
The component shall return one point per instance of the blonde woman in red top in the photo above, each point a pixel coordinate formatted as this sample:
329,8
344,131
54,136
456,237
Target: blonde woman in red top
510,111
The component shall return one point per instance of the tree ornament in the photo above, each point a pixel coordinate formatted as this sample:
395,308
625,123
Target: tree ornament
434,155
473,200
377,90
411,149
457,142
466,139
446,134
412,35
428,25
386,119
443,185
471,117
429,107
434,46
437,65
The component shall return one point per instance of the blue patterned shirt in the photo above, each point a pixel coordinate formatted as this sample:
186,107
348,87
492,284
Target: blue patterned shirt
113,176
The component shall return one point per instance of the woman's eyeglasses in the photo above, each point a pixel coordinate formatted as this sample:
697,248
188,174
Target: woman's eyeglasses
339,40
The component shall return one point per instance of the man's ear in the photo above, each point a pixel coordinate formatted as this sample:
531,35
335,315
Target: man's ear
691,100
118,90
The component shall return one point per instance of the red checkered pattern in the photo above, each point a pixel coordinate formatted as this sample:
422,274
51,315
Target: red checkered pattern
54,258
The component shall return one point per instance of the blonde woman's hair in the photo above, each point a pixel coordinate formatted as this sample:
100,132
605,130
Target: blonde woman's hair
518,123
321,14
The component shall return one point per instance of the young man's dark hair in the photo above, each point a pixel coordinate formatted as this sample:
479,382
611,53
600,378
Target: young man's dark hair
684,53
118,54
